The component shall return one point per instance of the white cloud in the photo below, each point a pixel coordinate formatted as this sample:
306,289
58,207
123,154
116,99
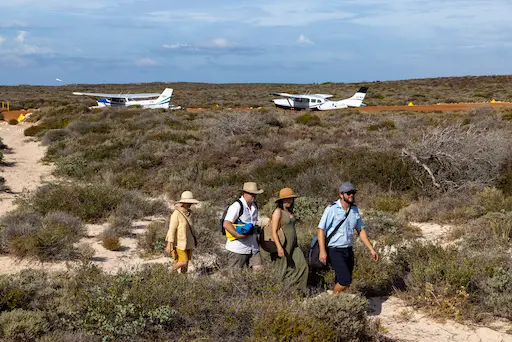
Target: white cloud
146,62
20,38
304,41
2,40
217,43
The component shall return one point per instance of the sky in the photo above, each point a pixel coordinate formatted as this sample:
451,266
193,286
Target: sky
267,41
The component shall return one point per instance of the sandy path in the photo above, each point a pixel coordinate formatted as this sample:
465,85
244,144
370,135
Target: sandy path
27,172
405,324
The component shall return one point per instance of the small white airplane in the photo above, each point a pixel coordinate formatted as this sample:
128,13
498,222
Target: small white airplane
129,100
319,101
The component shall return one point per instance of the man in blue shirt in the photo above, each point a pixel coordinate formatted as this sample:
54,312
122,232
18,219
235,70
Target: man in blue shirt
339,246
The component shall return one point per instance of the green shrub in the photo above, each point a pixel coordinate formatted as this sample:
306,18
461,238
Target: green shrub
21,324
308,120
27,234
387,227
389,202
91,203
111,242
153,240
34,130
12,122
344,314
384,125
283,325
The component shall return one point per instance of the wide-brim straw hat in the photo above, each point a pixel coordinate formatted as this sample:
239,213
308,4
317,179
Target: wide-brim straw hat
252,188
187,197
286,193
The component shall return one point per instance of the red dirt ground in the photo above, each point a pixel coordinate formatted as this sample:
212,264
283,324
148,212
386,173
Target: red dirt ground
439,107
14,114
370,109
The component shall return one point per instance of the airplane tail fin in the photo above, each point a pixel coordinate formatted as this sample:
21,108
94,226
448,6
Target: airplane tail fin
357,99
361,93
166,95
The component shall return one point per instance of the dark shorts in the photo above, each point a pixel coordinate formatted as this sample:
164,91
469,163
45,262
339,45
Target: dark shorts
342,261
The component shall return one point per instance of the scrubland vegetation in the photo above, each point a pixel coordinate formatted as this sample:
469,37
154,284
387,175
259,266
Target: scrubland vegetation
218,96
118,165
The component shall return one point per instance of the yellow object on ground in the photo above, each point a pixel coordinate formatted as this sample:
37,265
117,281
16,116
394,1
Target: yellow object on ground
493,101
410,104
21,117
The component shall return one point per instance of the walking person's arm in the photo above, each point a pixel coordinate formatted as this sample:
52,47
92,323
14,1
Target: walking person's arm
364,237
321,244
325,222
171,234
276,218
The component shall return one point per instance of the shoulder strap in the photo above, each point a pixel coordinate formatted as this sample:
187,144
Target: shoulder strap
188,224
241,211
337,226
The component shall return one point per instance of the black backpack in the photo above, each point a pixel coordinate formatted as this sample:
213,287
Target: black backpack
240,212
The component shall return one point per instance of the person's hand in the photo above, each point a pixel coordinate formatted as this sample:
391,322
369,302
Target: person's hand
323,258
280,252
375,256
240,236
169,248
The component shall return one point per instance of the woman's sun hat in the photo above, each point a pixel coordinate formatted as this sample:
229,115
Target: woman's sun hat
252,188
286,193
187,197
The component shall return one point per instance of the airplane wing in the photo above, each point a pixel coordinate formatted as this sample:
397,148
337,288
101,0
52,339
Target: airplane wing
324,96
285,95
304,96
118,96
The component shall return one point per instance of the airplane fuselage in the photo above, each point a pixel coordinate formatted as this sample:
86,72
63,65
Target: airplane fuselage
127,102
299,103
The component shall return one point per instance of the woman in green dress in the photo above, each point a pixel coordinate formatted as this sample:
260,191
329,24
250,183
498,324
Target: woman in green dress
289,259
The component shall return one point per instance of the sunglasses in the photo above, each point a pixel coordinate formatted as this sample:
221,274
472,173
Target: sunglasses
352,192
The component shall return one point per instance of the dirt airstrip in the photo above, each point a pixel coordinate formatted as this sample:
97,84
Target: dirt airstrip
442,107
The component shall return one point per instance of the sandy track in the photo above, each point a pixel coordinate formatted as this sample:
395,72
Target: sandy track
24,169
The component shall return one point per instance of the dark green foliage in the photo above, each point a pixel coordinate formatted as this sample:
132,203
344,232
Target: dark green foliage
12,122
384,125
308,119
34,130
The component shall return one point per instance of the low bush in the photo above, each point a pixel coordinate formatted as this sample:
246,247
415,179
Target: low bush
12,122
91,203
384,125
20,324
34,130
153,240
49,237
388,202
344,314
387,227
308,119
110,241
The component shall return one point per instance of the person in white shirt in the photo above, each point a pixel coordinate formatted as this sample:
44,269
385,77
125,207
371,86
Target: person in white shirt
244,250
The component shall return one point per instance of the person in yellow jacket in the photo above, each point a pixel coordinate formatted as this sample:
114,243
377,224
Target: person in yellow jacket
181,238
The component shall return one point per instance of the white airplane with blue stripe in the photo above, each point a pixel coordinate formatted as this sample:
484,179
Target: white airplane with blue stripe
132,100
319,101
